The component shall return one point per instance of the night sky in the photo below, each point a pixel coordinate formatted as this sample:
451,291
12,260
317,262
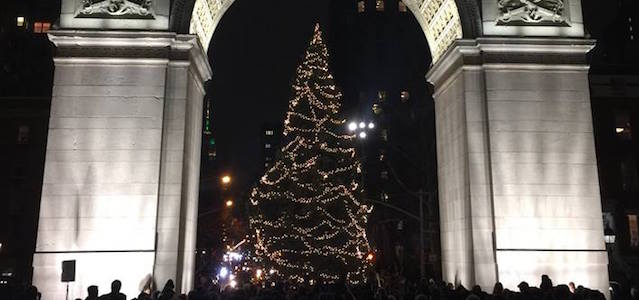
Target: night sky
254,53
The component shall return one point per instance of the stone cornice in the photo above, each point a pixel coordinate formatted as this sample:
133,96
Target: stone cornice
131,45
511,53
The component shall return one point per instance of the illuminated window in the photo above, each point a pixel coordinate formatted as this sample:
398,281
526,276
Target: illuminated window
623,128
381,96
41,27
401,6
379,5
269,132
20,21
404,96
23,135
267,146
361,6
633,230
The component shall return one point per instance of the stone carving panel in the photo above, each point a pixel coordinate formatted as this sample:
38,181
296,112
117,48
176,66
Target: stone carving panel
531,12
126,9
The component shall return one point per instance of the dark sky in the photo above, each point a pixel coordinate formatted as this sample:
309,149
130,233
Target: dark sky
254,53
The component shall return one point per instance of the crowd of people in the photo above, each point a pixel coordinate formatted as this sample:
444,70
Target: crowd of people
425,290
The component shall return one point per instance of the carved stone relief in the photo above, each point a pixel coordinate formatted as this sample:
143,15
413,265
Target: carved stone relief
128,9
531,12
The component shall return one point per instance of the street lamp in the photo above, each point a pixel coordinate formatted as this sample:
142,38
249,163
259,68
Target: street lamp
229,203
360,128
226,179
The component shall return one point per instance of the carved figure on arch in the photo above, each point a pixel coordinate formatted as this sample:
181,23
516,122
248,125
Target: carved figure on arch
531,12
116,9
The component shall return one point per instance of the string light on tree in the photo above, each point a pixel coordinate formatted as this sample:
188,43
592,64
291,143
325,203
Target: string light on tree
307,211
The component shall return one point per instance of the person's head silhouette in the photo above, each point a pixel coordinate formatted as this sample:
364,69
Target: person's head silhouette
93,291
116,285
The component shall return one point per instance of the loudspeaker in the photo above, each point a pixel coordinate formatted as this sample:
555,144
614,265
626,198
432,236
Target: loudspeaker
68,271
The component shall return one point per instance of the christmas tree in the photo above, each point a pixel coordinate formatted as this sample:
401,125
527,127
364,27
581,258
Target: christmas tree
307,211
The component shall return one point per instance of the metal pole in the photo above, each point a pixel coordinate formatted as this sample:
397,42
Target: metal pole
422,271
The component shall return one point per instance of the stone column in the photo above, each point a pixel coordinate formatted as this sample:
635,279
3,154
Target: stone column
518,184
121,173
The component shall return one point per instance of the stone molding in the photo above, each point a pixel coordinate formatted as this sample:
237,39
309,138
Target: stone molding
166,46
519,52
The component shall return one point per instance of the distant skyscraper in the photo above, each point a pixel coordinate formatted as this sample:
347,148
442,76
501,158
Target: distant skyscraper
271,136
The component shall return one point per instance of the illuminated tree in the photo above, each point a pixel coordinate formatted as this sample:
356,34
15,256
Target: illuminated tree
307,212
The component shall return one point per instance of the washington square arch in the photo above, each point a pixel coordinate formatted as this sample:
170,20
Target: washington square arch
518,184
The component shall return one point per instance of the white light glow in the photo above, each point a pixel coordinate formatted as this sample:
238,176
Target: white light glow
223,272
362,135
233,283
610,239
352,126
235,256
371,125
362,125
20,21
619,129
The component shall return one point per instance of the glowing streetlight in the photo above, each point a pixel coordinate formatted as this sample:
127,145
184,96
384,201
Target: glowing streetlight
362,125
370,256
226,179
229,203
362,135
352,126
371,125
223,272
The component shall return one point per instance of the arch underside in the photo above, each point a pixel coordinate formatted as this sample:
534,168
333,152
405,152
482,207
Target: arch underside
440,20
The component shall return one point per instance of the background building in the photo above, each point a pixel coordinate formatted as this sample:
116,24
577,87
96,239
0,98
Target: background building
380,61
26,70
614,88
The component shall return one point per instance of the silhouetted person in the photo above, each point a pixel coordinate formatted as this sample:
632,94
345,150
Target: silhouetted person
523,287
115,294
167,291
571,286
92,290
31,293
546,283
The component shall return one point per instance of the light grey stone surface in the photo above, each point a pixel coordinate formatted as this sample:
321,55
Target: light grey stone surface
518,186
121,178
